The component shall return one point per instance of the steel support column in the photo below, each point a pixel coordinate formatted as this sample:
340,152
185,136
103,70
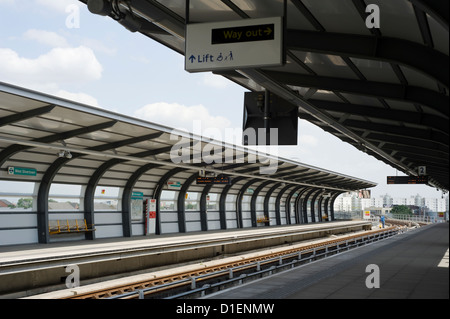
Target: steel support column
288,205
332,199
278,203
253,204
42,199
299,214
305,206
313,205
126,198
267,199
204,208
157,195
181,203
222,203
239,205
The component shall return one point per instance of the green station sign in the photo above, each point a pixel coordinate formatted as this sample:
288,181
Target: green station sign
24,171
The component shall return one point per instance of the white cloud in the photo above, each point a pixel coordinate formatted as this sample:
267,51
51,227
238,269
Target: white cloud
46,37
77,97
98,46
196,118
215,81
59,5
49,71
60,65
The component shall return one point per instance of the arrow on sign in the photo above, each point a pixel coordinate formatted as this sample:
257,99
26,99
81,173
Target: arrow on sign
258,32
192,58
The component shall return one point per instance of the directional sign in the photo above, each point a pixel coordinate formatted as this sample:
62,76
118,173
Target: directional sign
259,32
407,179
13,170
173,185
137,195
232,45
214,180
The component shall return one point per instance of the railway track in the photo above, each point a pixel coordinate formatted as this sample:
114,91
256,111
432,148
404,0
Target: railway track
185,284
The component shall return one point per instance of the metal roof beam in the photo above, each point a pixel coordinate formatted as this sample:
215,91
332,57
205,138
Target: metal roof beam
425,59
437,9
13,149
427,97
13,118
147,160
236,9
418,118
126,142
308,15
402,143
421,134
381,137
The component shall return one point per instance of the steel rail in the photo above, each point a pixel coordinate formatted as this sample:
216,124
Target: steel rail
194,277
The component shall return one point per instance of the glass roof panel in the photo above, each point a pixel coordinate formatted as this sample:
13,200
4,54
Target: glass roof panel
326,64
377,71
326,95
337,16
261,9
418,79
398,20
362,100
209,11
177,6
439,35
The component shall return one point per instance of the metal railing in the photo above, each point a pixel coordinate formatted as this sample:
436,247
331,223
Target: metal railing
411,218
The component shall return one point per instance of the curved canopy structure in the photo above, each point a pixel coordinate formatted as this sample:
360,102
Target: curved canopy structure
55,141
382,88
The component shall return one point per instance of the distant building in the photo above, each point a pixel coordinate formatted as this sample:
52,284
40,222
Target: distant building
350,202
5,203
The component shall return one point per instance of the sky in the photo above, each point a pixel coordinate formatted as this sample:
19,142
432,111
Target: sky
58,47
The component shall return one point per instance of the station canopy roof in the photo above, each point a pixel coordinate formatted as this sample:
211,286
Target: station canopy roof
383,90
71,143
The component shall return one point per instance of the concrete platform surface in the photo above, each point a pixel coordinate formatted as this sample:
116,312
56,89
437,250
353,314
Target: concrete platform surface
408,266
23,253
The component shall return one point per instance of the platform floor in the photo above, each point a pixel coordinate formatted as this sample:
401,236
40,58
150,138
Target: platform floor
412,265
31,252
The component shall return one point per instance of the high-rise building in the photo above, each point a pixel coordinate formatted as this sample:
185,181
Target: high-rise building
350,202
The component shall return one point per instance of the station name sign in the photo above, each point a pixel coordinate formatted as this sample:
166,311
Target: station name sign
236,44
24,171
407,179
224,180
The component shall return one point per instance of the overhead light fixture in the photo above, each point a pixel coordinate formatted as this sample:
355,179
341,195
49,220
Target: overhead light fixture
101,7
65,154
